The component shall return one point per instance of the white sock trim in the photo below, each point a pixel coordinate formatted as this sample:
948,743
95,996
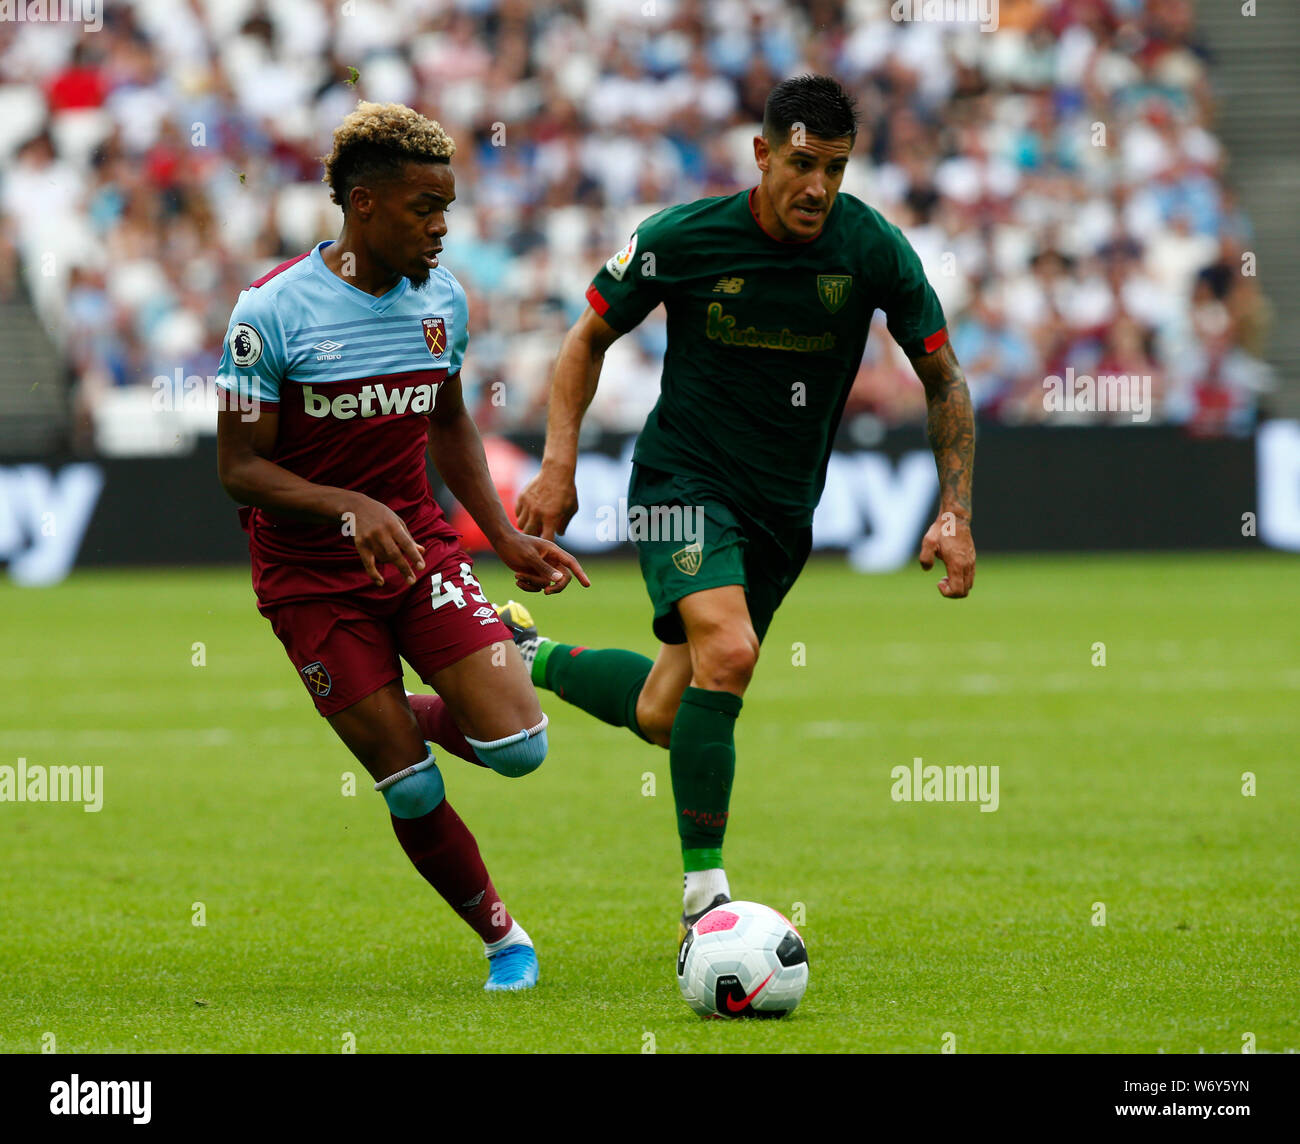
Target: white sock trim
423,765
517,737
515,935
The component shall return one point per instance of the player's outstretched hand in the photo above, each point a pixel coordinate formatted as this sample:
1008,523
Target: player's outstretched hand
381,537
949,538
539,565
547,503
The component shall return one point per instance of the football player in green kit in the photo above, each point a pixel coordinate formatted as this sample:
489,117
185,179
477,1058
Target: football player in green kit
769,295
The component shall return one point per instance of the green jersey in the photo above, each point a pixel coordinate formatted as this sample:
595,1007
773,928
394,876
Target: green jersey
764,340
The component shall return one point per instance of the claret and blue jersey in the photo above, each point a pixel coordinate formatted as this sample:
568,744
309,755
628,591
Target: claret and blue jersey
352,377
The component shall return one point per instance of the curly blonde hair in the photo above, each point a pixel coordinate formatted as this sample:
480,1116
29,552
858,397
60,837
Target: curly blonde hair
373,142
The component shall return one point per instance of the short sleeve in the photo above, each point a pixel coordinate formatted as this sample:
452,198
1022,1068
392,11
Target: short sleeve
629,285
912,310
252,357
459,328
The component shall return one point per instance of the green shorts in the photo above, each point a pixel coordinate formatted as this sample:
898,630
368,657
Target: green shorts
707,544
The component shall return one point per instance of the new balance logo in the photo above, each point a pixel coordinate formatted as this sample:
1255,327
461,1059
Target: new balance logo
729,286
370,401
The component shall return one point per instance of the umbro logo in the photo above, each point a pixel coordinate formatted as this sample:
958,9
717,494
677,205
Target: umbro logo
729,286
326,350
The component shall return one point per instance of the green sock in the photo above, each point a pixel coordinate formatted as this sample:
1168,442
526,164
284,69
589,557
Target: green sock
704,859
702,760
605,683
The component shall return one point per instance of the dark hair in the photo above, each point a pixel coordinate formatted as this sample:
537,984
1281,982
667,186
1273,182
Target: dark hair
375,141
818,102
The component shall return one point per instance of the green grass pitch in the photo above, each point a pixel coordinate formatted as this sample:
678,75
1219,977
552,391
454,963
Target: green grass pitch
1119,784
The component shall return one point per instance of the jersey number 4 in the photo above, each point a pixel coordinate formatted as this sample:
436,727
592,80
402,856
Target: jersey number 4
449,592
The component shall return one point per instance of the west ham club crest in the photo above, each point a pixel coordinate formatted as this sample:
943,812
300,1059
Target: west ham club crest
317,678
435,335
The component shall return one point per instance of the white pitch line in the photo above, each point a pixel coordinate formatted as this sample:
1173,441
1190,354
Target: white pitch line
110,702
27,739
1047,728
1107,681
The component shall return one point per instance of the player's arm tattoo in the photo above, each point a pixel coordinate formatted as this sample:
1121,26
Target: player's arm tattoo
950,425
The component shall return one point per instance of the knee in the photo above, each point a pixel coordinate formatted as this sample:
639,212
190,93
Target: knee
656,722
414,791
725,661
514,755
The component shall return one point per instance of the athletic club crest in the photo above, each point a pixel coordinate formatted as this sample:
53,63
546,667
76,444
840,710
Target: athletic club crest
435,335
833,290
688,559
317,679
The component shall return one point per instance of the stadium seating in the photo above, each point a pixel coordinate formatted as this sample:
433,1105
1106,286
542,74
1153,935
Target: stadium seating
172,157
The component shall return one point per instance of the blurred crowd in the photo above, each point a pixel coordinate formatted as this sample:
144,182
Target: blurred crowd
1060,179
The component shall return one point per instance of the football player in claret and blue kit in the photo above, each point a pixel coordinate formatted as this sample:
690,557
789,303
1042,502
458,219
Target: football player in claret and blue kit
351,356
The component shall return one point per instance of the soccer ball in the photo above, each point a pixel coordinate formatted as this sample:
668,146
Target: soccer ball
742,959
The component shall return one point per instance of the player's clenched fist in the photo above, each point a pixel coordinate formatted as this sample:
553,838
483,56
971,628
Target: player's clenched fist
950,539
382,537
547,503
